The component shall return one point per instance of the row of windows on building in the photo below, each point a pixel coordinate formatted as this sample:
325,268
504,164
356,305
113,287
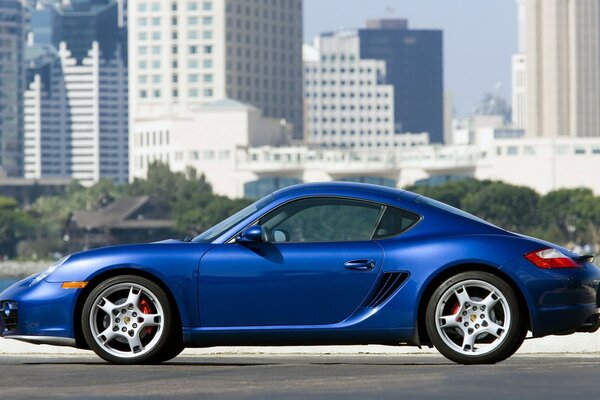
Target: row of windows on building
351,107
350,120
333,70
317,94
560,149
180,156
268,28
192,63
192,20
191,6
192,49
192,78
344,145
153,138
341,82
192,92
352,132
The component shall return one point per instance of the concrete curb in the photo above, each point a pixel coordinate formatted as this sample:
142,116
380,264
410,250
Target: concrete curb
581,343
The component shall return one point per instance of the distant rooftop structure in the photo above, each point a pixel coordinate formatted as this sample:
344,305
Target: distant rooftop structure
387,23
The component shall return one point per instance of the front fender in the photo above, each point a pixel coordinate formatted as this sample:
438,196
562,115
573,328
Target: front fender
175,265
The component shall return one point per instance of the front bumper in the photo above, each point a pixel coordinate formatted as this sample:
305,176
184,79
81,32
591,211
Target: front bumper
41,314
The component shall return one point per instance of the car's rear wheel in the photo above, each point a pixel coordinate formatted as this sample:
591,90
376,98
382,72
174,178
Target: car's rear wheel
129,320
474,318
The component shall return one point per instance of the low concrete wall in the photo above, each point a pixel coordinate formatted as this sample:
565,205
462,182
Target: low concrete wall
17,270
579,343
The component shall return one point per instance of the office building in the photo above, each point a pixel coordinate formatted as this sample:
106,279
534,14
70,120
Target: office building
347,102
13,27
414,67
76,122
563,68
185,54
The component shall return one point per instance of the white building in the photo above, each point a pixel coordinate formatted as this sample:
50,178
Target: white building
347,103
76,117
210,140
540,163
563,68
186,53
519,91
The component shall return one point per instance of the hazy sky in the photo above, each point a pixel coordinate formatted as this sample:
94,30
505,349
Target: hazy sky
479,36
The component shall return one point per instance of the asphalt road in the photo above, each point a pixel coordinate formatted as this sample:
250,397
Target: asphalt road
301,377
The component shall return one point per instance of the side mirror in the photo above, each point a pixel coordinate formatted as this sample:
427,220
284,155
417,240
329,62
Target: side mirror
252,234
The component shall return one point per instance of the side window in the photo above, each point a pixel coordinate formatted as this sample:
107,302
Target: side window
394,222
322,220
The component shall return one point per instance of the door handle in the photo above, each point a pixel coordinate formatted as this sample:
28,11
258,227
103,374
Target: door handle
360,265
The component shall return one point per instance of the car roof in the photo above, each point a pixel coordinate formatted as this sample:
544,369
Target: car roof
338,188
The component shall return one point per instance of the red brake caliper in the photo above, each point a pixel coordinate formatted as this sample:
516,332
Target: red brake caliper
455,309
145,308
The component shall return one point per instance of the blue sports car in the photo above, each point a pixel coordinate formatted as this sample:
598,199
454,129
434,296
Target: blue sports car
314,264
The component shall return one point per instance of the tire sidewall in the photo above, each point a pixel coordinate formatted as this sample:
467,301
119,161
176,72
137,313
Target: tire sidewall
165,333
514,336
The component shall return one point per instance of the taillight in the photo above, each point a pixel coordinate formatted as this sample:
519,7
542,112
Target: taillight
549,258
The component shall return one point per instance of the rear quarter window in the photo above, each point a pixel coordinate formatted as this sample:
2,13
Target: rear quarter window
394,222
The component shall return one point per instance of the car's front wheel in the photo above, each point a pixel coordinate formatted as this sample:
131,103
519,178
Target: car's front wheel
474,318
129,320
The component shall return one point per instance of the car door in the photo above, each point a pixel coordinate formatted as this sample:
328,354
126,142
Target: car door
315,267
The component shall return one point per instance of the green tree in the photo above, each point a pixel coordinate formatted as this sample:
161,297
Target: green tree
15,225
451,193
572,214
511,207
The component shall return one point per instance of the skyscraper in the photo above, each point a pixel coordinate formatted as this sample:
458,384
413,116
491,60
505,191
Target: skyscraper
13,26
185,54
76,100
563,68
414,65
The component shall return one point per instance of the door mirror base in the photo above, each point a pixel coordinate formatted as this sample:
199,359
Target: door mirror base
252,234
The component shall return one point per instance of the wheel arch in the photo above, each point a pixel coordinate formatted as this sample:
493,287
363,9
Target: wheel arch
111,273
421,336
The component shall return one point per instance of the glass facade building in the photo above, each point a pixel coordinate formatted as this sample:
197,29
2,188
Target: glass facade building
414,67
13,26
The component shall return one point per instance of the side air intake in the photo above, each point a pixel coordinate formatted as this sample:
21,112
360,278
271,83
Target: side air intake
388,285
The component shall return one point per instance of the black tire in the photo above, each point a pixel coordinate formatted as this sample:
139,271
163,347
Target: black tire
163,344
512,338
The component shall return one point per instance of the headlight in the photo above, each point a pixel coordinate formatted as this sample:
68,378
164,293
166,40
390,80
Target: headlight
44,274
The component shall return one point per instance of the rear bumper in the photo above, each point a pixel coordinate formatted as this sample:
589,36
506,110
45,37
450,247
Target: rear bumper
560,301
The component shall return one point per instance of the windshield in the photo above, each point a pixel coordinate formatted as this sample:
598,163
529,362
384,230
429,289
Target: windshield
223,226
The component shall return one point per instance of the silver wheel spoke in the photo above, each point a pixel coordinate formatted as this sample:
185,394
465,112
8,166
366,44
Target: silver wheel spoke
135,343
134,298
462,295
107,306
494,329
107,335
491,300
468,343
151,320
448,321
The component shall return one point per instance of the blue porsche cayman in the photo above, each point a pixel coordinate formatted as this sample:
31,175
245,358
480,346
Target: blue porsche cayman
314,264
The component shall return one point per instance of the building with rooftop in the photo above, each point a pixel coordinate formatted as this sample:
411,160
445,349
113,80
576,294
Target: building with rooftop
76,102
187,53
13,27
